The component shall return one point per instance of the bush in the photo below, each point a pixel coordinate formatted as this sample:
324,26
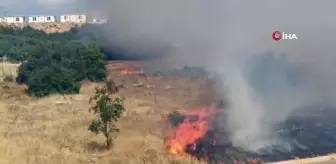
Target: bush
59,68
51,80
52,63
176,118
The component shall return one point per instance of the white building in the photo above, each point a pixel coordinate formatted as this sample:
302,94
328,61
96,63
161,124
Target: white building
41,19
78,18
98,21
14,19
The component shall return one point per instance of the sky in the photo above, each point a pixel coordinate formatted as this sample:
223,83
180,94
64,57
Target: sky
45,7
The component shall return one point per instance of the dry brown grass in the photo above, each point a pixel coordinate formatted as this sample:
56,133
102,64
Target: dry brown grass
46,27
53,130
7,69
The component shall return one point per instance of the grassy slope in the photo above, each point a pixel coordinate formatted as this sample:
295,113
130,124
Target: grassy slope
53,130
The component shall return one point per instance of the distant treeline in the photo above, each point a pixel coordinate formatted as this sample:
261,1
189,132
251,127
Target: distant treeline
53,63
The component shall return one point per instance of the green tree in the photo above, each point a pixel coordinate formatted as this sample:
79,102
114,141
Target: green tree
47,81
108,108
67,64
95,63
54,63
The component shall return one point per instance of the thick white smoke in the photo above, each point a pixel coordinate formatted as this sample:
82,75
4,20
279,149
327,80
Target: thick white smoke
223,35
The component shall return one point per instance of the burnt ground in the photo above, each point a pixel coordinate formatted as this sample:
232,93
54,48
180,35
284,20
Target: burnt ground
310,132
54,129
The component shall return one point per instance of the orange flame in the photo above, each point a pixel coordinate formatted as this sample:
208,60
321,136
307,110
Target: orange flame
131,70
194,127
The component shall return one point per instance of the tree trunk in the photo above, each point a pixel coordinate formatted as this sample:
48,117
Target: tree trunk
108,135
108,141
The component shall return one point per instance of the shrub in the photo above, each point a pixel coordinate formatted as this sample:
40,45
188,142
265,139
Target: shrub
61,71
108,110
176,118
51,80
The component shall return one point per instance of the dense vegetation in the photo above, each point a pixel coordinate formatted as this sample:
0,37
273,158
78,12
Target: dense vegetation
53,63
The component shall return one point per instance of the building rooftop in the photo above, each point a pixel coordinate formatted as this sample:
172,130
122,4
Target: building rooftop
14,16
41,16
72,14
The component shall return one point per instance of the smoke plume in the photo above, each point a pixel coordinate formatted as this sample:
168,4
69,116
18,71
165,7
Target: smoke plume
230,38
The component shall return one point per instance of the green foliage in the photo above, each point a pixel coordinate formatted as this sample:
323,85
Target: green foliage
176,118
53,63
95,63
53,80
108,110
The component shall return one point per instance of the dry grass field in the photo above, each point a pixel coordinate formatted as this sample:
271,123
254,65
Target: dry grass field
54,130
7,69
46,27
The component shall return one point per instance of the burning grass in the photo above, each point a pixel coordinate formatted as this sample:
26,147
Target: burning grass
195,125
196,137
53,130
200,135
132,70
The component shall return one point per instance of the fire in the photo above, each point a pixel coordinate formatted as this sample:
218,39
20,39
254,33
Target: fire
190,134
195,126
132,70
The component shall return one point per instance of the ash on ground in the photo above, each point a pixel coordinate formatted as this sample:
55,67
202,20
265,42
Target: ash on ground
307,133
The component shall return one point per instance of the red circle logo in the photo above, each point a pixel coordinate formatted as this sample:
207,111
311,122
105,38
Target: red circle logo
277,35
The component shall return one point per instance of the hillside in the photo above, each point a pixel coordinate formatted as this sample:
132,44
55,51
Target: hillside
171,117
46,27
54,129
